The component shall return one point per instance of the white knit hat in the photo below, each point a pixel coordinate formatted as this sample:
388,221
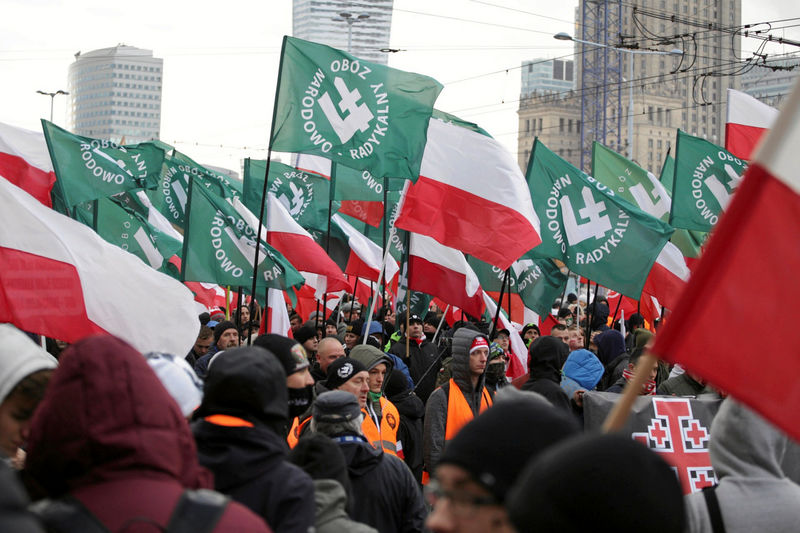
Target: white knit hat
19,358
179,379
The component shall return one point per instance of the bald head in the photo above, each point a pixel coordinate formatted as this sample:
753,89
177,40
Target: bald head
329,349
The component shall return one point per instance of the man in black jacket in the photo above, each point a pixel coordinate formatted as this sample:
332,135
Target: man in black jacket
385,494
239,434
547,356
422,357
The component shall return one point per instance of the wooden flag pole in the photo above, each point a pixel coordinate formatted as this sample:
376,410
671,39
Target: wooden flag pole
616,419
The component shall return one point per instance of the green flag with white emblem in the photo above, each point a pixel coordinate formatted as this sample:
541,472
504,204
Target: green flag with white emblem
706,176
88,169
590,228
128,229
304,194
689,242
219,247
363,115
537,280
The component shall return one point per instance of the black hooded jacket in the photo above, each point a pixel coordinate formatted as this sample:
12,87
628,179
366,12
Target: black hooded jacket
244,449
412,411
385,494
547,354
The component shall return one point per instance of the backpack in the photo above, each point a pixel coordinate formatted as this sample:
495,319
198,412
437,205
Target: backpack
197,511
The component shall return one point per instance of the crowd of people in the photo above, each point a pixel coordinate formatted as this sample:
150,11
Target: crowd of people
396,424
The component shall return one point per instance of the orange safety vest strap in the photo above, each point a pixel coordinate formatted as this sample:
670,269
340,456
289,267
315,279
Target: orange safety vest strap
297,428
426,478
385,437
228,421
459,411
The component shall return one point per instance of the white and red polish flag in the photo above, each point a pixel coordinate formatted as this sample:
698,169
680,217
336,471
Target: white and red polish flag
297,245
667,277
748,120
443,272
59,278
753,256
471,196
276,319
365,257
25,161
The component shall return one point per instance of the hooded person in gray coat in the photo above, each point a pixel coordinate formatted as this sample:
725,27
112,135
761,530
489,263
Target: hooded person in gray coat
459,400
753,493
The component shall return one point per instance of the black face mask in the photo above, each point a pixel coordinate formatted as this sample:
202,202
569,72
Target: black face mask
299,400
495,373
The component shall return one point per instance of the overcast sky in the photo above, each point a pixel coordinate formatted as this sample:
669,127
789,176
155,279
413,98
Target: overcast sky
221,59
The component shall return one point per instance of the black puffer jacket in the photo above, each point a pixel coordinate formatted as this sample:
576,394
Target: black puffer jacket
547,354
385,494
246,453
412,412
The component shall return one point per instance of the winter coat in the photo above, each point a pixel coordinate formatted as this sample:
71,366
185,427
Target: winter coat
435,427
245,451
753,493
14,504
683,385
420,358
385,494
409,432
610,344
546,353
108,434
330,515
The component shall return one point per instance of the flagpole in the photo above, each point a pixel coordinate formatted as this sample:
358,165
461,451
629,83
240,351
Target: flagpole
441,321
352,302
509,296
619,413
372,303
331,195
500,303
95,206
619,302
227,302
588,313
564,292
266,177
239,312
385,227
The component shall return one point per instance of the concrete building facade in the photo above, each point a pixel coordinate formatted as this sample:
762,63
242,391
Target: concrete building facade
366,25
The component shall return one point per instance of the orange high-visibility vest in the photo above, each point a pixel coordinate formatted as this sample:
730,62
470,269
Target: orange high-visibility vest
228,421
297,428
458,410
384,437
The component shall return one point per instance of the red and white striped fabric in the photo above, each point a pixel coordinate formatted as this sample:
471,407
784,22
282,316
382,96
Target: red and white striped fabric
25,161
444,272
210,295
366,257
751,257
276,318
297,245
668,276
59,278
471,196
518,365
748,120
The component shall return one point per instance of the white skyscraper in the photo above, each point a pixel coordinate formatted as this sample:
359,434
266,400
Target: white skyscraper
115,93
365,25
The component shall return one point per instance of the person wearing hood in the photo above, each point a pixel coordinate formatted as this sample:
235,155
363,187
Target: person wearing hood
299,382
322,459
422,358
497,367
108,435
547,356
412,412
581,372
598,314
459,400
25,371
380,415
239,432
384,492
753,493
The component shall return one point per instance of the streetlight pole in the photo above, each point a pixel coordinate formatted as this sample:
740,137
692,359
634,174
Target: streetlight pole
52,97
563,36
348,17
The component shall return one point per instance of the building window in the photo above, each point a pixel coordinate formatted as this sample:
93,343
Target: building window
561,126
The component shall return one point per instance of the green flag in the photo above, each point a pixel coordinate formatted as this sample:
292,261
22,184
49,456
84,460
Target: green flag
219,247
364,115
130,231
87,169
706,176
395,240
689,242
306,195
591,229
631,182
537,280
